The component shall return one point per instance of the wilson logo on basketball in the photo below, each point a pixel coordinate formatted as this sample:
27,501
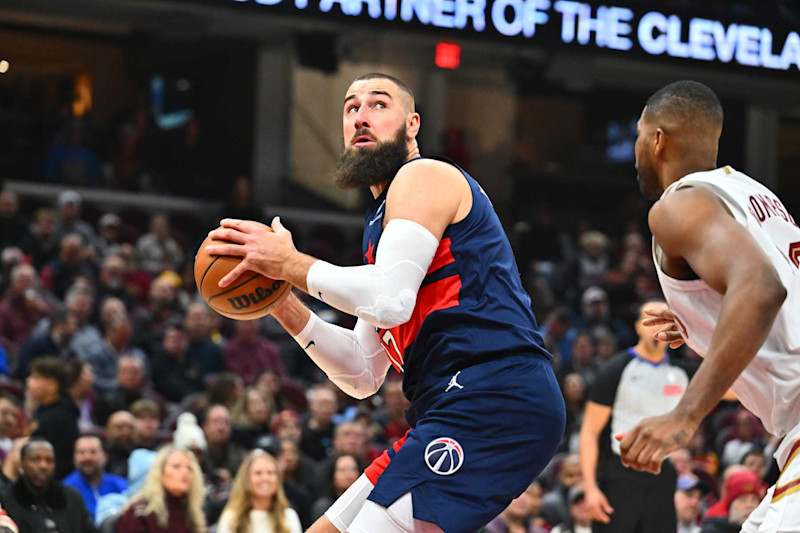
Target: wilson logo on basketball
244,301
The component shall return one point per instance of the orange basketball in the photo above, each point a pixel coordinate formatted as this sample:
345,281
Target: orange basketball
250,296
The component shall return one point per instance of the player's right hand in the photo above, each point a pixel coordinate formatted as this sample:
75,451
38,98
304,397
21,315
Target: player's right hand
671,333
598,505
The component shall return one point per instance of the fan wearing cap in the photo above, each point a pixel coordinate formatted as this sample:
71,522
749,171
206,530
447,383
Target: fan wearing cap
580,516
688,494
743,493
69,217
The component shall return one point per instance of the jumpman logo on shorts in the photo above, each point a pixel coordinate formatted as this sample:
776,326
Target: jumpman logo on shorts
454,383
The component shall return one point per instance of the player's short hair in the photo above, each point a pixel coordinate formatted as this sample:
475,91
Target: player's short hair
381,76
688,100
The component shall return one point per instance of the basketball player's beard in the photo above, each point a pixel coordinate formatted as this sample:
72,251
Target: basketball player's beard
362,167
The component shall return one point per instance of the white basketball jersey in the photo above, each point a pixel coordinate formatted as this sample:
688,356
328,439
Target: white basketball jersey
770,385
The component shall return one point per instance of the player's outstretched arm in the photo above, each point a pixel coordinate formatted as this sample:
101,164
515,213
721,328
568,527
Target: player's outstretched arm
354,360
692,225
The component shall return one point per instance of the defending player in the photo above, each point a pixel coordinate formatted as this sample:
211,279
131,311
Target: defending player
727,254
440,299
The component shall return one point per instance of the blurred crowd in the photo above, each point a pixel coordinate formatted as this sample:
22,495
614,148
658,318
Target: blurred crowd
126,401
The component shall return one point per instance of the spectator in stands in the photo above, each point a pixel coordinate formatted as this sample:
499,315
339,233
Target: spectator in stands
337,476
580,518
242,204
747,433
111,283
79,302
392,417
20,310
720,508
606,346
148,419
287,426
105,357
43,241
69,218
518,516
555,504
574,390
56,415
81,389
13,227
9,423
137,281
150,322
174,376
596,317
558,336
249,352
755,461
687,503
297,469
120,441
11,464
223,456
284,393
39,503
349,438
130,377
171,499
583,361
225,388
202,353
108,506
60,273
157,250
109,237
743,493
702,457
88,478
317,439
592,260
251,417
257,502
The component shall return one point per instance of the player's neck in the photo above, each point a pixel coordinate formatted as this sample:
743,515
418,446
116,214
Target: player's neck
673,173
646,350
378,188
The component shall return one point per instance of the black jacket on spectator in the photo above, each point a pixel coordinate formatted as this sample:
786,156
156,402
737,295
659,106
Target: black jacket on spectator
119,399
60,506
37,346
206,357
58,424
316,443
174,378
718,524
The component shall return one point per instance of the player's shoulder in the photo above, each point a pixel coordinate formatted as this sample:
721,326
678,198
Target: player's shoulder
680,210
428,170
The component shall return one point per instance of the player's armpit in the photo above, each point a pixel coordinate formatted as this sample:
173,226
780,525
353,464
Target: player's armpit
431,193
692,224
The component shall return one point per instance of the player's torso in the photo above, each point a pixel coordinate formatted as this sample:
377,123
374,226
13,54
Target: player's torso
471,306
769,385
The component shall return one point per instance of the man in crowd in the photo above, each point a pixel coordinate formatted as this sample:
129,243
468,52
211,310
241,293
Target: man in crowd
687,503
39,503
9,423
120,441
89,477
223,456
317,437
54,340
249,352
20,310
56,415
743,493
555,504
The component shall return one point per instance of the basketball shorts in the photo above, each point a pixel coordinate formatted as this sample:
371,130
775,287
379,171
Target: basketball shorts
476,447
780,508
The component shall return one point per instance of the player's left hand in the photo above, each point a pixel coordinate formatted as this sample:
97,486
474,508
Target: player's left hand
262,251
646,446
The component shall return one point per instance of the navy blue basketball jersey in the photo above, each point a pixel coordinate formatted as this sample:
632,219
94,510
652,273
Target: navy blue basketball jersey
471,306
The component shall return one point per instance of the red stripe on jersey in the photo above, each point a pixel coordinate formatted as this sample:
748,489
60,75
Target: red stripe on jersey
442,294
376,468
443,256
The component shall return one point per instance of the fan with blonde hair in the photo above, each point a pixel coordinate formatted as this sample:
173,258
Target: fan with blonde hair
245,501
151,500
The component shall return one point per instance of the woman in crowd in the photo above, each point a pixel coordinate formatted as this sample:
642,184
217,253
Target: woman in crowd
344,473
171,500
251,416
257,502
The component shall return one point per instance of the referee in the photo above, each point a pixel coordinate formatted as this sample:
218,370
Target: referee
637,383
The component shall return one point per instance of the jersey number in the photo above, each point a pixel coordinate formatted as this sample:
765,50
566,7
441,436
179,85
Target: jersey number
794,253
392,350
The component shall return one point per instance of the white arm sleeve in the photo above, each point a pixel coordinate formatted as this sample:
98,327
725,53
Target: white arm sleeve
383,294
353,359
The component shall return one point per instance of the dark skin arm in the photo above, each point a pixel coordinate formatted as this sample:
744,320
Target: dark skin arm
698,235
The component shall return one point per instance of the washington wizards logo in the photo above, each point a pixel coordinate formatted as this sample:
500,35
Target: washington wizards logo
444,456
